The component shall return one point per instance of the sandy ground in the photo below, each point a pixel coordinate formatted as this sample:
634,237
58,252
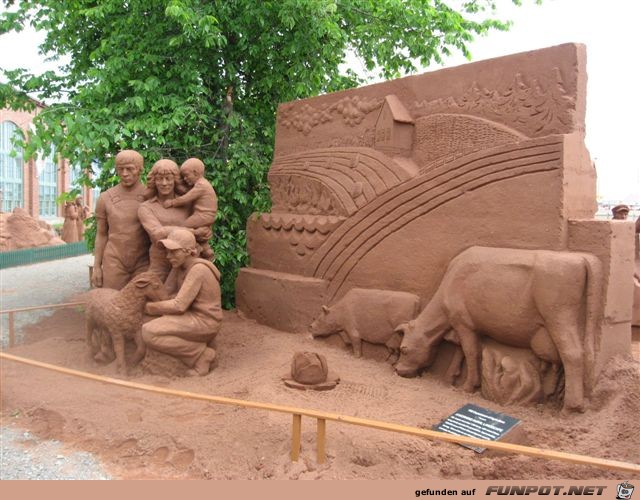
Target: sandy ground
142,435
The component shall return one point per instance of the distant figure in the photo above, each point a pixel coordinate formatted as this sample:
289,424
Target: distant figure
83,213
69,228
202,198
122,244
620,212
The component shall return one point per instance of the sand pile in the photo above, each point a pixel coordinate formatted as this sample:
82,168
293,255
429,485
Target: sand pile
19,230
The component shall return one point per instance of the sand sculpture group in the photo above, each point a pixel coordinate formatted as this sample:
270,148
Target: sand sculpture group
446,219
153,286
74,216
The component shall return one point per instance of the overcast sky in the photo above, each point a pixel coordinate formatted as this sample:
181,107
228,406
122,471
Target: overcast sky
608,28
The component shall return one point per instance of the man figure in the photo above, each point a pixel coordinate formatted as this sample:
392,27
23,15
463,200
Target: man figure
620,212
122,245
191,320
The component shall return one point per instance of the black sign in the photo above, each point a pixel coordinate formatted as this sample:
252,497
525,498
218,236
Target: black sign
476,422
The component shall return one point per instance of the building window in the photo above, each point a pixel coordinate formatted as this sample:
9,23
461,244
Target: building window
96,167
11,169
49,186
74,175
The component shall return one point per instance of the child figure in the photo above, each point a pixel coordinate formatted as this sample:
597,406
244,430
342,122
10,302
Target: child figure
203,200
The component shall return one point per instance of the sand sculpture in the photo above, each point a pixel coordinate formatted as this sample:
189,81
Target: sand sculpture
369,315
385,187
184,325
122,245
511,375
158,221
203,201
19,230
188,323
115,315
544,291
70,227
83,214
309,370
635,320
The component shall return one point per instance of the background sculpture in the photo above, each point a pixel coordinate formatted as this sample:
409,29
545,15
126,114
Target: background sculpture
122,245
83,214
70,225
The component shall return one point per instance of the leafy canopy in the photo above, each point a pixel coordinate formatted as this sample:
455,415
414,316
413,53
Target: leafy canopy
181,78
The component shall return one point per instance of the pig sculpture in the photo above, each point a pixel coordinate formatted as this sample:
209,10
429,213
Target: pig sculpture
541,300
369,315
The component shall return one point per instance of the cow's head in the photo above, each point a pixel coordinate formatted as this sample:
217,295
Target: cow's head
417,350
325,324
151,286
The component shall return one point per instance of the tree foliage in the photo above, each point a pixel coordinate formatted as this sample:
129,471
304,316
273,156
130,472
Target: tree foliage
182,78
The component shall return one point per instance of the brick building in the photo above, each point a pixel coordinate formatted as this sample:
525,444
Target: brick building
33,184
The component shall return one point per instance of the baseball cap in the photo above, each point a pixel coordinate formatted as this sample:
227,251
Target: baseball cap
620,208
179,238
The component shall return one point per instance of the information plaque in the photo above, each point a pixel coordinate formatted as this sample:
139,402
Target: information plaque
477,422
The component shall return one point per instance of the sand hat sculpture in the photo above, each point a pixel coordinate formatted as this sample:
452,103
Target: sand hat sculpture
309,370
178,238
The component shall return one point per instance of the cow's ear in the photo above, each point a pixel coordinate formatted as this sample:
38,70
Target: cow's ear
401,328
325,309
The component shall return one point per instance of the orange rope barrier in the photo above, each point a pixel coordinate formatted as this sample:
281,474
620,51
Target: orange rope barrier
323,416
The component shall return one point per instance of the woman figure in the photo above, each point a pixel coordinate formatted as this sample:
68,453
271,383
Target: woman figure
83,213
69,228
157,220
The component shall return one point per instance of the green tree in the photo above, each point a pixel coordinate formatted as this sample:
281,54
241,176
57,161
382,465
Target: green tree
182,78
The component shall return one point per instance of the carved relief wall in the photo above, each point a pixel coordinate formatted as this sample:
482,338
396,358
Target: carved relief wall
380,187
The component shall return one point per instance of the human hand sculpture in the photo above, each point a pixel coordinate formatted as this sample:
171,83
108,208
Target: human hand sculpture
96,277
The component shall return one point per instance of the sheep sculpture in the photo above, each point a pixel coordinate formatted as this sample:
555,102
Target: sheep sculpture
113,315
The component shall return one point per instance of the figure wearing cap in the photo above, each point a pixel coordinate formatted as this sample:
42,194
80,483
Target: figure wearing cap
122,245
191,319
620,212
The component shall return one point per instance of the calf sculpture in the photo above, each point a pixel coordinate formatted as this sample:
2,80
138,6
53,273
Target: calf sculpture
542,300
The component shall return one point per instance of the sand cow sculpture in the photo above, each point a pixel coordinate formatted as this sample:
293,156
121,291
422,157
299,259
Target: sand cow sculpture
544,301
387,186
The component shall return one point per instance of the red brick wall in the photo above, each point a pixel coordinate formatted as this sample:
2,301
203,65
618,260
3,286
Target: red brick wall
31,195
